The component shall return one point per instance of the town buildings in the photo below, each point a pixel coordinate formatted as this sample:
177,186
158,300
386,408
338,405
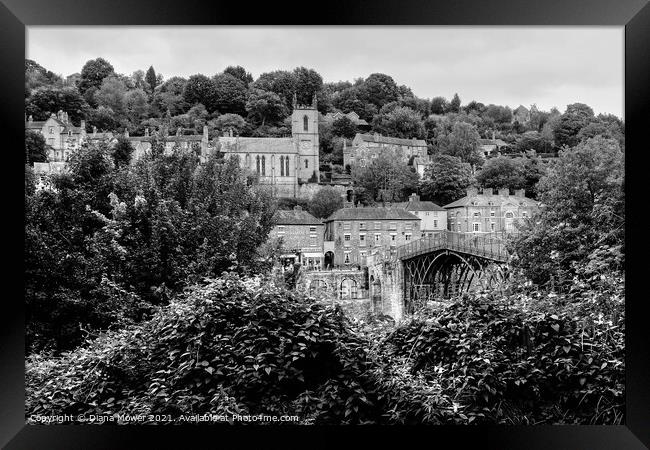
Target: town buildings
366,147
61,136
281,163
301,235
432,217
196,142
351,234
489,211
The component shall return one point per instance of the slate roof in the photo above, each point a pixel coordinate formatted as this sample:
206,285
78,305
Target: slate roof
497,200
295,217
418,205
34,125
497,142
258,145
391,140
371,214
170,138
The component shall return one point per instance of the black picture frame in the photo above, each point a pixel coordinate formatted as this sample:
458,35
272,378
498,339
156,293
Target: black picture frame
634,15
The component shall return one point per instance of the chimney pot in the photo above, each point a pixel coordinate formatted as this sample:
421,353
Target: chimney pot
487,191
520,192
472,191
504,191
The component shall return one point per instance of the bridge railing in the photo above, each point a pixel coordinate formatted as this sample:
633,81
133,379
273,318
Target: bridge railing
489,247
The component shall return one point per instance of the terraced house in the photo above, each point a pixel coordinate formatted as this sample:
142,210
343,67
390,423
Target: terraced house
302,237
351,234
490,211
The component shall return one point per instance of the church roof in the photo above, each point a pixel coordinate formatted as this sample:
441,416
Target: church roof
379,139
371,214
257,145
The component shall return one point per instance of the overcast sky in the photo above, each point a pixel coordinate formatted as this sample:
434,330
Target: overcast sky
548,66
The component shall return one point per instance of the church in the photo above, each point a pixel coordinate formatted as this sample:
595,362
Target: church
286,163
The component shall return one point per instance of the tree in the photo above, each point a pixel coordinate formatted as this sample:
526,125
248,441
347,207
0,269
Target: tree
386,179
46,101
263,106
439,105
582,216
229,95
344,127
401,122
104,119
93,73
37,76
576,117
379,89
308,83
281,82
240,73
112,94
501,172
498,114
169,97
122,151
462,142
226,122
151,79
200,89
325,201
446,180
454,106
136,106
35,150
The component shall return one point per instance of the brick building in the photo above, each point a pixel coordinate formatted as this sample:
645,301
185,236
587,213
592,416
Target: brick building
366,147
302,237
351,234
61,135
489,212
432,217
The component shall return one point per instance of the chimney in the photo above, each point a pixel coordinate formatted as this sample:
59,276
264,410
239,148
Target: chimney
414,198
31,119
504,191
493,138
126,132
82,125
471,191
65,117
487,191
146,132
520,192
297,208
94,130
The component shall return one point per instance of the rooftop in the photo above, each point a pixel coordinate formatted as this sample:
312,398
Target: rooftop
495,199
295,217
371,214
257,144
379,139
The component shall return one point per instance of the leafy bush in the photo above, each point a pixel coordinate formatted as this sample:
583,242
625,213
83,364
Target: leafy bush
233,346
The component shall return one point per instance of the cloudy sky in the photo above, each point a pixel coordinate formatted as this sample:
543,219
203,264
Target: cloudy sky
548,66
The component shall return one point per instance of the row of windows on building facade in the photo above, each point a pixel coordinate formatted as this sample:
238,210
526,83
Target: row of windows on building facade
260,164
313,237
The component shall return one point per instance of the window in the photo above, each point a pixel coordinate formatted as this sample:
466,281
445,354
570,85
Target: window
286,168
263,165
392,226
426,213
492,213
281,166
477,215
306,164
408,236
305,123
435,223
257,158
377,225
377,237
312,241
363,253
362,226
362,239
346,260
346,239
408,226
347,225
509,215
524,214
476,227
393,239
281,229
51,130
312,229
492,225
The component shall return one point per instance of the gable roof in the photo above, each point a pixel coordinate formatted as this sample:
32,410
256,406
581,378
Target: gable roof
497,200
257,145
418,205
295,217
379,139
371,214
497,142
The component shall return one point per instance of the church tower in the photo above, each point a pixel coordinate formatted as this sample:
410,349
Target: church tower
304,129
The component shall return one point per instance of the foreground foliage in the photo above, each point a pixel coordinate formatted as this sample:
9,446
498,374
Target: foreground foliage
245,346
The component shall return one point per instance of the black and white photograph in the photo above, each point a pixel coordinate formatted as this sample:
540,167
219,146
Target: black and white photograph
324,225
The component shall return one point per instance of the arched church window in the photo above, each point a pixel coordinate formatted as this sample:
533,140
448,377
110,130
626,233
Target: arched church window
305,123
263,165
281,166
306,164
258,163
286,163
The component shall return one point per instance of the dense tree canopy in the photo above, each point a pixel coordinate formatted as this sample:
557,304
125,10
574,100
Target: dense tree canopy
93,73
446,180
